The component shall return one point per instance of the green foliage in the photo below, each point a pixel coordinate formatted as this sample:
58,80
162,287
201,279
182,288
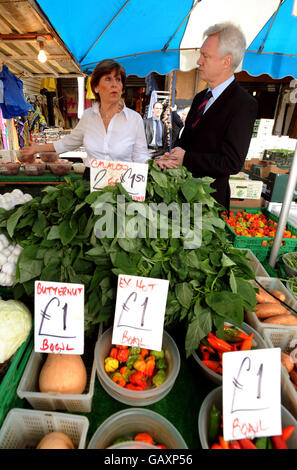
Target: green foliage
57,231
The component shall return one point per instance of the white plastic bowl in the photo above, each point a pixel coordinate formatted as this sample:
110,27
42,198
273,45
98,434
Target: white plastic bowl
215,398
132,397
136,420
258,341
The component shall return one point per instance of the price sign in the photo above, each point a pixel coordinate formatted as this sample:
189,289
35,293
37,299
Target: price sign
252,393
59,317
140,310
132,176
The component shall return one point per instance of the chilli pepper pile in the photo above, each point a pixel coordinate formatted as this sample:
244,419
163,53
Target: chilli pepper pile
136,368
257,225
212,347
216,440
140,437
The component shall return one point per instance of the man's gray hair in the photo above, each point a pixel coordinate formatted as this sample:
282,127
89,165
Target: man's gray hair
231,41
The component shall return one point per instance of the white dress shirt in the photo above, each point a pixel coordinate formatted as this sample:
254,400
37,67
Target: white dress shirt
124,140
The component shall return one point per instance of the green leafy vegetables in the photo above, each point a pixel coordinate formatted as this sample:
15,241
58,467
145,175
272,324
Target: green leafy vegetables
208,284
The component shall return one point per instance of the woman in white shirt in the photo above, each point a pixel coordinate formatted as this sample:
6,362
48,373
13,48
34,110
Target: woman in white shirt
109,130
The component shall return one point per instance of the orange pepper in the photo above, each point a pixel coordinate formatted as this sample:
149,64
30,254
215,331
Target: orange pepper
224,444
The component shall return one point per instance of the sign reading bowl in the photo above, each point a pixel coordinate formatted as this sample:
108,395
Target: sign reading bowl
252,394
139,312
59,317
132,176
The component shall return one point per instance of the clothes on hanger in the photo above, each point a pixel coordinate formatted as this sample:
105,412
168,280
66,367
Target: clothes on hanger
13,103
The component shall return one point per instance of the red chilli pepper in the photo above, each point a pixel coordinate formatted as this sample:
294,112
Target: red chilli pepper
218,343
278,442
246,345
138,378
213,365
247,444
234,445
287,432
123,355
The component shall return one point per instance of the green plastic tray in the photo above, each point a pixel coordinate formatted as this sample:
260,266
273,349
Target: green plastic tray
10,381
254,244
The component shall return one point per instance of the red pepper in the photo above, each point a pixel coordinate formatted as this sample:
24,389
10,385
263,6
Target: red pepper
213,365
218,343
138,378
160,446
144,437
278,442
144,353
234,445
247,444
287,432
216,446
149,366
123,355
113,353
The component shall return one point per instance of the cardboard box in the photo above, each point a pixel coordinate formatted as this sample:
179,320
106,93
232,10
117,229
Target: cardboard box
252,203
245,189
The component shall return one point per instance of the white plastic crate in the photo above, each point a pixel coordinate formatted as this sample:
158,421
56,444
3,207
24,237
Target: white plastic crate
271,283
256,265
29,389
285,340
24,429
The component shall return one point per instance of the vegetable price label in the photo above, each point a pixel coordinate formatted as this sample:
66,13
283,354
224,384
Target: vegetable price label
59,317
132,176
252,393
140,311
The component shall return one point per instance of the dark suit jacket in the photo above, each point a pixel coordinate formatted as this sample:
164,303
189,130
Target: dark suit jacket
149,132
218,145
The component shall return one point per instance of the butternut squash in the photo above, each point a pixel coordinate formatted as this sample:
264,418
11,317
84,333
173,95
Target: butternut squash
55,440
63,373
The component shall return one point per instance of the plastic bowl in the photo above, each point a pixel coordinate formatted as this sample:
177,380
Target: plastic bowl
133,445
79,168
215,398
289,288
25,158
291,272
9,168
49,157
132,397
34,169
61,168
135,420
258,341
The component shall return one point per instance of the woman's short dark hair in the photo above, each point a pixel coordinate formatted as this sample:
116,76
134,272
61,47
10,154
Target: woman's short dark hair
105,67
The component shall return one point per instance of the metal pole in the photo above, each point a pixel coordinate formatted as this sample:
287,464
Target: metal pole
284,211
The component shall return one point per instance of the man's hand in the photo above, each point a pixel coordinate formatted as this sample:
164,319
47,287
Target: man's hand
172,159
29,150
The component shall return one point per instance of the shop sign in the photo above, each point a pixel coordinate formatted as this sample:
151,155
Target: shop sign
59,317
139,312
252,393
132,176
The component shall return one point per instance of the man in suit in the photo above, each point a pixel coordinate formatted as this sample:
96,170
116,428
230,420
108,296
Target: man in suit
219,125
156,132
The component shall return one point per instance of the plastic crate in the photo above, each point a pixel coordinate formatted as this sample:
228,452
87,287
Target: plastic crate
29,389
24,429
254,244
285,340
9,384
272,283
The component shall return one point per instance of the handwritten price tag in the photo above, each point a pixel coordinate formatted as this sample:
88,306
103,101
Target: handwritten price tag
132,176
59,317
252,393
140,310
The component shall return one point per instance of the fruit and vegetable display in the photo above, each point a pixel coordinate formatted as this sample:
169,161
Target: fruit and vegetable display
269,308
228,339
209,281
216,440
63,373
248,224
136,368
139,437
